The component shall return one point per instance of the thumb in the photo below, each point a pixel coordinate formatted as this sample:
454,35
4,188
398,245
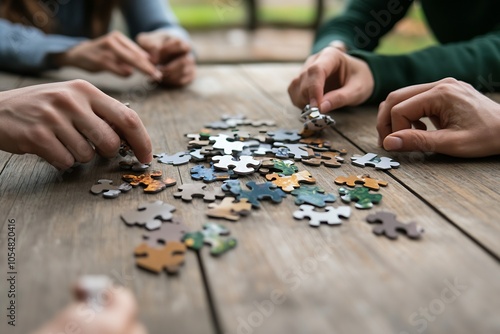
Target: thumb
439,141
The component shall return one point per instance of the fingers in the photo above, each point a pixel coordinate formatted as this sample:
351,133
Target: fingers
173,48
384,121
126,123
131,54
180,71
52,150
440,141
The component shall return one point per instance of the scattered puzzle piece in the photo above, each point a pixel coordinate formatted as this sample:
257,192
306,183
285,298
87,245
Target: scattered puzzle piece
190,190
240,166
155,259
313,195
213,235
108,190
135,166
168,232
264,149
329,159
229,209
314,121
256,193
372,160
196,140
295,151
289,183
208,174
178,158
365,180
330,216
317,144
151,181
222,143
363,198
284,167
151,215
283,135
196,155
390,226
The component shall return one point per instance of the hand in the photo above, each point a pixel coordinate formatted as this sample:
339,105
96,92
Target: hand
63,122
116,314
467,122
332,79
173,55
113,52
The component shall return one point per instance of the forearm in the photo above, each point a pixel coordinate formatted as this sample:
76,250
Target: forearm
26,49
475,62
362,24
151,15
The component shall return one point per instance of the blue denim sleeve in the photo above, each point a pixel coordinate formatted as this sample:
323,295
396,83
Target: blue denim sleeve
150,15
25,49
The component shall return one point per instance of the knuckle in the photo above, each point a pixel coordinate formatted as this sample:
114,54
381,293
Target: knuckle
449,80
391,99
86,154
313,70
131,120
80,84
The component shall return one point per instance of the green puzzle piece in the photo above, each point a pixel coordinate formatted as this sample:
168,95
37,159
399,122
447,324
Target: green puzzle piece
285,168
213,235
361,195
313,195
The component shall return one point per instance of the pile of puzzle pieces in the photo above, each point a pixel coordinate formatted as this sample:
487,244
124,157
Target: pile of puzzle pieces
231,154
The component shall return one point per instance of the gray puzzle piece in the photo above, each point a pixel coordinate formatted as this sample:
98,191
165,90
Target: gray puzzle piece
331,216
109,190
149,215
390,226
282,135
372,160
168,232
178,158
295,151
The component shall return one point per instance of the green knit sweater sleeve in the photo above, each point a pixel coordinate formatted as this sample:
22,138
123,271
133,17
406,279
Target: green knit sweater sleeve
362,24
476,61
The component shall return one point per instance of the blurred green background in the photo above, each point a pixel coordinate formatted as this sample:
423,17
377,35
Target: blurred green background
199,15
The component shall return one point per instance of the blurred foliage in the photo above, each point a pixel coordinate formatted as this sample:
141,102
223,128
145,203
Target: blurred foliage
196,16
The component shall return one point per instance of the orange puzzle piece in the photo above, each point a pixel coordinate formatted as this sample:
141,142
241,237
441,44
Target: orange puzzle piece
230,209
151,181
289,183
169,257
366,180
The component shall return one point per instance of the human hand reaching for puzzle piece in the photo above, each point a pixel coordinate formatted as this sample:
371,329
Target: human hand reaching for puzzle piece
332,79
67,122
467,122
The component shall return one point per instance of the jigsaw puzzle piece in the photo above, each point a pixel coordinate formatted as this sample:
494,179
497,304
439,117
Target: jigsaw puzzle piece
283,135
295,151
212,234
390,226
168,232
208,174
134,166
284,167
169,257
365,180
223,143
188,191
372,160
229,209
178,158
109,190
363,198
313,195
329,159
289,183
240,166
151,215
331,216
151,182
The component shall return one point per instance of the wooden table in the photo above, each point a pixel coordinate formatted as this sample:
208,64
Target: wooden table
284,276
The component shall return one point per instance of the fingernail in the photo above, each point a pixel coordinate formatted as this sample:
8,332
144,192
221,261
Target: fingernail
158,76
325,107
313,103
393,143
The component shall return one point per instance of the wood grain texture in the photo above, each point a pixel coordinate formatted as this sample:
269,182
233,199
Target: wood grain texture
64,231
340,279
7,81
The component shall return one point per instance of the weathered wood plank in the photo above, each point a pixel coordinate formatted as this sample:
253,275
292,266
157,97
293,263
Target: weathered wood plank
64,232
341,279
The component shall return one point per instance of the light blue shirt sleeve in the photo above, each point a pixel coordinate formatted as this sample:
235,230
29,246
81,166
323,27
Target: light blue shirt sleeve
25,49
151,15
